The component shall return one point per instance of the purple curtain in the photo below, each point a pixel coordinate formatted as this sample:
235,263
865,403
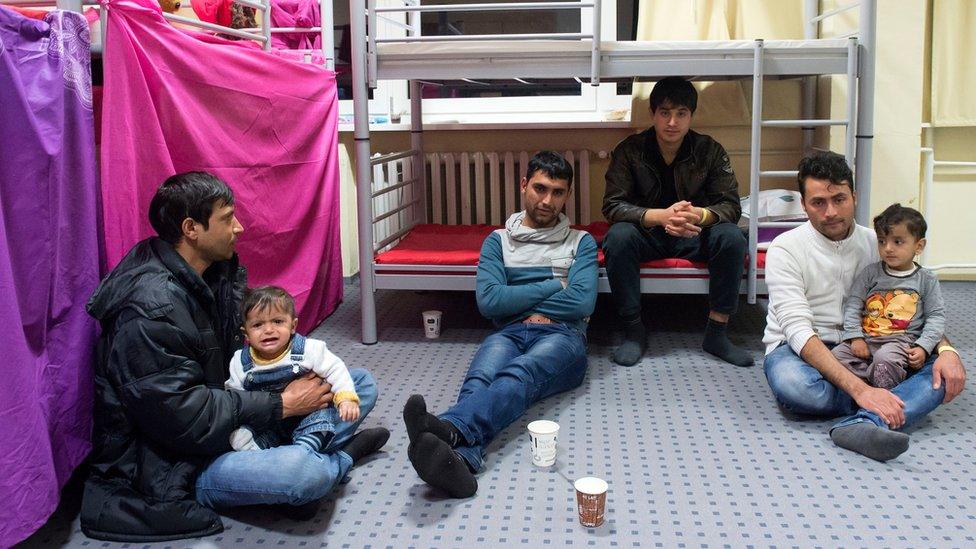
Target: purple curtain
48,262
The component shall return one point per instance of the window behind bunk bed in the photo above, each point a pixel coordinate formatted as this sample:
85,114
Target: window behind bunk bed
460,99
508,100
499,23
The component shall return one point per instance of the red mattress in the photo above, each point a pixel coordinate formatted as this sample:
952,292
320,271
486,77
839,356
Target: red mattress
430,244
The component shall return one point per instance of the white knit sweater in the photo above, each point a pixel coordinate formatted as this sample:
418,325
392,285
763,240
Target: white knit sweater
808,276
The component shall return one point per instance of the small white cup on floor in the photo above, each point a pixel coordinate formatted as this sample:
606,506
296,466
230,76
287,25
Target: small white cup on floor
543,435
432,324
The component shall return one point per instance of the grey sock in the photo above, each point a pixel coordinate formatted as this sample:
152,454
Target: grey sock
633,346
869,440
717,343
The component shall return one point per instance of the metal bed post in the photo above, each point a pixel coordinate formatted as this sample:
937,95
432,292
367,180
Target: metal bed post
103,26
757,88
327,32
811,31
417,131
928,171
360,101
371,32
419,169
595,47
865,109
851,99
266,24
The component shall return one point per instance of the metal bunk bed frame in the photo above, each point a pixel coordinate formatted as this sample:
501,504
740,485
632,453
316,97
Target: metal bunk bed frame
853,57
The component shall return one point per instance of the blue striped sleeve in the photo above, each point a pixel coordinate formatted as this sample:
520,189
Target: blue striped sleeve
496,298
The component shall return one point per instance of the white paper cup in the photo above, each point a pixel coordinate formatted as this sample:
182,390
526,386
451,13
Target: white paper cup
543,435
432,324
591,500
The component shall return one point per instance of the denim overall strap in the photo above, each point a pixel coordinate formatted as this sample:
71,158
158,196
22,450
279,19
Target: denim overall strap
297,348
247,362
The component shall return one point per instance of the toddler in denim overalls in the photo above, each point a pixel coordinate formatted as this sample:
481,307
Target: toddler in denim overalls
273,357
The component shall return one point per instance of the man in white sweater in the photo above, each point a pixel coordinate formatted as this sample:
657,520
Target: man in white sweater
809,271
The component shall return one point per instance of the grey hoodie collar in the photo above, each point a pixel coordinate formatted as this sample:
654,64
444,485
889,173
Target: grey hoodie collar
521,233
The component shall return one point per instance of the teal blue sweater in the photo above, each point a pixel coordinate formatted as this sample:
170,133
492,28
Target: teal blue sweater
519,274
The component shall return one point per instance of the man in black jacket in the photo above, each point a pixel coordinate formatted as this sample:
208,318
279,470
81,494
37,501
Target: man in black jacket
170,322
670,193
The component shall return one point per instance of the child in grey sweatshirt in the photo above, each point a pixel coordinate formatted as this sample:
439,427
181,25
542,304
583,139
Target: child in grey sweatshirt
894,315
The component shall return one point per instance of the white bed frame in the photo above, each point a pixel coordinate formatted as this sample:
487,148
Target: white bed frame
584,56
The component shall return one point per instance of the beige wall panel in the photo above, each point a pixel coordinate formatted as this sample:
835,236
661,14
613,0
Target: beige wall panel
951,238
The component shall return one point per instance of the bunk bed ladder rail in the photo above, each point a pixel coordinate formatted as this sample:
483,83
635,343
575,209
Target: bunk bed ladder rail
807,123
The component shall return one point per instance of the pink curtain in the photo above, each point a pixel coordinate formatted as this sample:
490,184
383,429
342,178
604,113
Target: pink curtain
176,101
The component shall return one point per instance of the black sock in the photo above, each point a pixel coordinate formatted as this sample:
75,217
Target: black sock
634,344
717,343
419,420
366,442
441,467
303,512
869,440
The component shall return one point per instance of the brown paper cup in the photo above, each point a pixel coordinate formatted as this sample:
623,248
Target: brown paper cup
591,500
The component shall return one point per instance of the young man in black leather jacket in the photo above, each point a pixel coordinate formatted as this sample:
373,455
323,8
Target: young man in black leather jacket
671,193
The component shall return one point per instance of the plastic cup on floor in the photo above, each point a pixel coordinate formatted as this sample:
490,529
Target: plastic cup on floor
543,435
432,324
591,499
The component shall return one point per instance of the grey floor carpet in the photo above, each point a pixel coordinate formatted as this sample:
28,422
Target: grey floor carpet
695,451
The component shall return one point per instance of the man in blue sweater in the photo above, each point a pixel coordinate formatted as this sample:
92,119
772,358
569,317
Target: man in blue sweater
537,281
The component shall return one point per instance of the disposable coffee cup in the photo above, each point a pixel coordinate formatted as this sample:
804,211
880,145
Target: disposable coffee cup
432,324
591,499
543,436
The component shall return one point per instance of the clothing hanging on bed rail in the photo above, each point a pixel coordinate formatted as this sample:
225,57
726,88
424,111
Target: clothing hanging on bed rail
298,14
48,262
177,101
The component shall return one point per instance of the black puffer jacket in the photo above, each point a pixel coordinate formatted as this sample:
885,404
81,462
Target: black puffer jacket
704,178
161,411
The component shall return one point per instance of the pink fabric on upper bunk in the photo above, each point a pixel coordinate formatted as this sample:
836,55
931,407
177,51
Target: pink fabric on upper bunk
430,244
300,14
177,101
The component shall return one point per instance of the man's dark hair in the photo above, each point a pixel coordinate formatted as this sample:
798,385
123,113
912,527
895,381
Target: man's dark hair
896,214
263,297
190,194
551,164
827,166
674,90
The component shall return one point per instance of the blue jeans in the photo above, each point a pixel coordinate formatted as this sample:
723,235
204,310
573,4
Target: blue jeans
513,369
287,474
319,421
801,389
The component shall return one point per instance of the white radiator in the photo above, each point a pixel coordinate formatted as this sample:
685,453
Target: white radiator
483,187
